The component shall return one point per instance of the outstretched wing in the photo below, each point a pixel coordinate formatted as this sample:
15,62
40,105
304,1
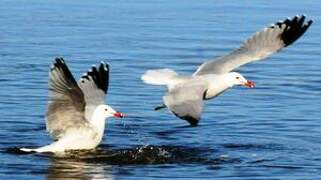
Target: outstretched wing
262,44
186,101
94,85
66,101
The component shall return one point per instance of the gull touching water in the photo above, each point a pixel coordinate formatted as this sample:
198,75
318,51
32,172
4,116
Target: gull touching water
186,93
76,111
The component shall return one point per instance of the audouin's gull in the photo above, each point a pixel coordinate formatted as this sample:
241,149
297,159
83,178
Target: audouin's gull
76,111
186,93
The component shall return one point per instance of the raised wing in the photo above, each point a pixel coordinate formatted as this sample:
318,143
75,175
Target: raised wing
262,44
66,101
94,85
186,101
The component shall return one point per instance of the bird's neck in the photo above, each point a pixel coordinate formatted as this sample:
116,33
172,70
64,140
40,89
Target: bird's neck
97,122
217,85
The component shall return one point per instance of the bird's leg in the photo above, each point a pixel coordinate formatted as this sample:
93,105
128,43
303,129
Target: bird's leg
157,108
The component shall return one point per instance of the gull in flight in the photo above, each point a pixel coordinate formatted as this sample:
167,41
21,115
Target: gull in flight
185,94
76,111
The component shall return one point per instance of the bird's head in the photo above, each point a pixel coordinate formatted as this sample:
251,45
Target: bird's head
107,111
238,79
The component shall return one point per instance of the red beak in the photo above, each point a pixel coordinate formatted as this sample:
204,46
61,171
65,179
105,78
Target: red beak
118,115
249,84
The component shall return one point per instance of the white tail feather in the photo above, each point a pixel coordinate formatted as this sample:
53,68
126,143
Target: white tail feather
27,150
159,76
48,148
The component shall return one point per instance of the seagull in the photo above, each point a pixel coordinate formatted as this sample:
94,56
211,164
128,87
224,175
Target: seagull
76,111
185,94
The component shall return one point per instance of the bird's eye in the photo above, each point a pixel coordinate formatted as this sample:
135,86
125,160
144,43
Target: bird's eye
237,77
106,109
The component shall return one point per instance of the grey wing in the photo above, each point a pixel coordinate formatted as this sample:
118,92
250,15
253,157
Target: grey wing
66,101
94,85
186,102
262,44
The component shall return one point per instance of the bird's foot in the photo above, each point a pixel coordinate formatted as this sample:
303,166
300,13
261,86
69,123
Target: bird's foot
160,107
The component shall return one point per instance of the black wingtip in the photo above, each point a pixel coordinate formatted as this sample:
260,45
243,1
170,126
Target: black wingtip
58,63
192,121
59,60
99,75
294,28
104,74
61,65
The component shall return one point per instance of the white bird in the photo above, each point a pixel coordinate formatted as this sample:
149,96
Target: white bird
186,93
76,111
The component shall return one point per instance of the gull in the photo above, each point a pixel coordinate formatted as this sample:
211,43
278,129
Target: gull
76,111
185,94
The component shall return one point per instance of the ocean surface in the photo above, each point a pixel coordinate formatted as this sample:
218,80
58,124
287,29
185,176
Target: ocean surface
270,132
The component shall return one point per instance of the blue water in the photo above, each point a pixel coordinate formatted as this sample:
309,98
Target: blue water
270,132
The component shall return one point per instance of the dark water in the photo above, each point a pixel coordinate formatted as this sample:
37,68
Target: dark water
270,132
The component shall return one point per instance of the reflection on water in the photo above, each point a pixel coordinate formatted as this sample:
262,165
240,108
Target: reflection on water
77,169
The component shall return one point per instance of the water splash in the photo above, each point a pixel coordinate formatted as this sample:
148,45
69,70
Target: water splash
142,155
